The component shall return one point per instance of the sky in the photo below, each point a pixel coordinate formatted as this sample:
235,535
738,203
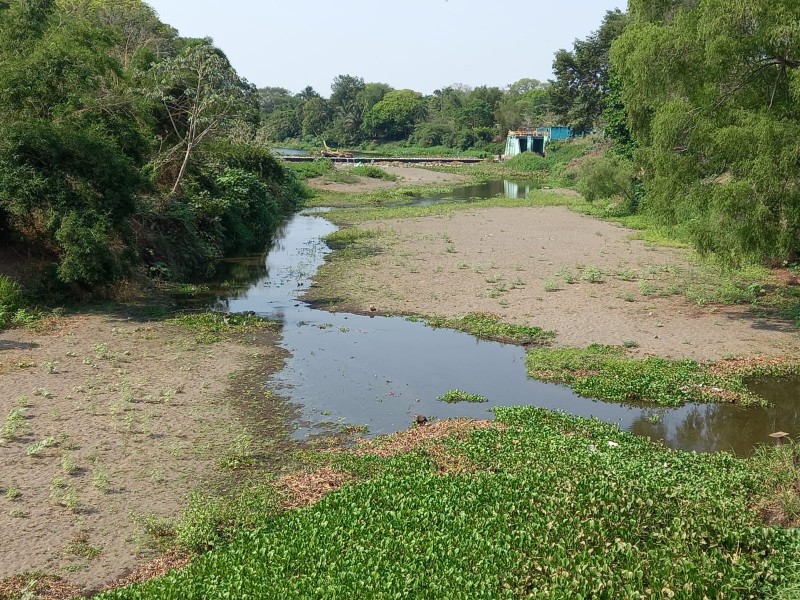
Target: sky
417,44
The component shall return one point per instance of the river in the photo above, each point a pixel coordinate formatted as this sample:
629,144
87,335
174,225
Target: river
380,372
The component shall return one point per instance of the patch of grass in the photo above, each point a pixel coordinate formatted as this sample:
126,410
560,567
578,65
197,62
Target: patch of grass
310,169
211,521
551,285
568,276
210,327
68,464
553,506
341,176
343,238
454,396
40,446
608,373
488,326
80,547
373,172
14,425
239,454
592,274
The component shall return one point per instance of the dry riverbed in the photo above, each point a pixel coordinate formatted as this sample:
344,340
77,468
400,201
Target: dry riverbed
584,278
118,420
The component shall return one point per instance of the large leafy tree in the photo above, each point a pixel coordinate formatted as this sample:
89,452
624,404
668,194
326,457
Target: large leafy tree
201,95
70,143
711,89
582,75
394,117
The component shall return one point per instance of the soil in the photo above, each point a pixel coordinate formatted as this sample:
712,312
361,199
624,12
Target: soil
406,176
137,414
513,262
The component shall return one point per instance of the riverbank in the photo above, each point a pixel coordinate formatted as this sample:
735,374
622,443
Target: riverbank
111,420
583,278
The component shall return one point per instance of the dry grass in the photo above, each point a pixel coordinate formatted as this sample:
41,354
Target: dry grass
303,489
424,436
35,585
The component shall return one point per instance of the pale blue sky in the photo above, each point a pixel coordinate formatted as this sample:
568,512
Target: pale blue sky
417,44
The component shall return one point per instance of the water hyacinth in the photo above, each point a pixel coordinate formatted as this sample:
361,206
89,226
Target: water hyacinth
552,506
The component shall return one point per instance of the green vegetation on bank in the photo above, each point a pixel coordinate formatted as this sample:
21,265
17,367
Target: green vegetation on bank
610,373
542,506
210,327
126,150
491,327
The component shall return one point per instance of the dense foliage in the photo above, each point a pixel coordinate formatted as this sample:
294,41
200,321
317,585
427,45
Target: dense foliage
546,506
710,90
359,113
122,143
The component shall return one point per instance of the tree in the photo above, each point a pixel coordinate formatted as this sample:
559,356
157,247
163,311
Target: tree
581,83
271,99
201,93
711,91
315,116
68,151
394,117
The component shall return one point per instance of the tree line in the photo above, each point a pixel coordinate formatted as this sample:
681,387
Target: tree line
359,112
123,144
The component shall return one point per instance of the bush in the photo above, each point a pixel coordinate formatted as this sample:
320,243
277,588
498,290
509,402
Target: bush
373,172
605,177
10,299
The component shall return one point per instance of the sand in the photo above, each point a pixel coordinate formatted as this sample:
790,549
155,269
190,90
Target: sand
138,415
514,262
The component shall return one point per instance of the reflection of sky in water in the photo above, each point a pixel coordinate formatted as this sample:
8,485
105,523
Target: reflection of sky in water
381,371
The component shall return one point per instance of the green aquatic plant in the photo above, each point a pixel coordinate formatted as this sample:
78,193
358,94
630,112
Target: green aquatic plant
551,506
453,396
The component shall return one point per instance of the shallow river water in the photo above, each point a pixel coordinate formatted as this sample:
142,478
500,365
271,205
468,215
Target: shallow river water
346,369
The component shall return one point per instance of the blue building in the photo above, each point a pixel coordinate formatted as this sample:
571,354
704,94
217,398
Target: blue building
534,140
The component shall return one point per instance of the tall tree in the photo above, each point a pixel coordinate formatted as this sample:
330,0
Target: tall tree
201,94
581,83
394,117
711,89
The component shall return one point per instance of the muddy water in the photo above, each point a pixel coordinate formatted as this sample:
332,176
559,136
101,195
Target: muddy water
381,372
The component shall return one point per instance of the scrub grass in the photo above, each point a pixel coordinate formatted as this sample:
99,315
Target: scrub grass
211,327
551,507
487,326
609,373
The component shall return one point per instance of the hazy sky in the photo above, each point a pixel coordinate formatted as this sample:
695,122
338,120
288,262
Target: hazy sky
417,44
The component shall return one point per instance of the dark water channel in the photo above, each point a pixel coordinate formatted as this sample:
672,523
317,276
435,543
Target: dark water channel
346,369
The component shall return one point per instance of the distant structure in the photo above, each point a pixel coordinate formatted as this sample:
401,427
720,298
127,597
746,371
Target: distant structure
534,140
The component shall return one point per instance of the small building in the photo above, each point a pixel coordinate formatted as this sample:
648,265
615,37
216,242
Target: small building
534,140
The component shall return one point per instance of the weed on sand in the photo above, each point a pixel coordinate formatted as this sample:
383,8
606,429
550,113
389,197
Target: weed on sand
487,326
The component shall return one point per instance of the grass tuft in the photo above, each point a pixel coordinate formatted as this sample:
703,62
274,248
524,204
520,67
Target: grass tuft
487,326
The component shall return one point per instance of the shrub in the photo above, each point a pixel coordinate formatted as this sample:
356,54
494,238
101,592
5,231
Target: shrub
605,177
10,298
373,172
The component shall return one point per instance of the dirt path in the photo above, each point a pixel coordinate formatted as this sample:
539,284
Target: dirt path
118,421
518,263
